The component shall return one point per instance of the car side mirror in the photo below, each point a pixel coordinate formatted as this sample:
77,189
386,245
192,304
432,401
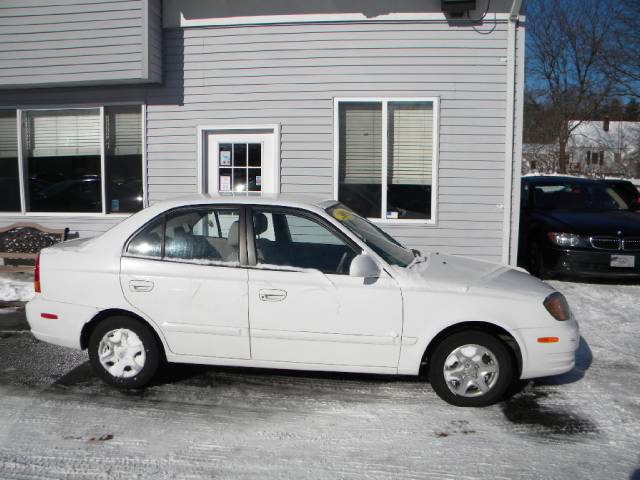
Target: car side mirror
364,266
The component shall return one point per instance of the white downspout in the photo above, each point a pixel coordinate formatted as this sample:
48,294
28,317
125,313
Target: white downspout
509,143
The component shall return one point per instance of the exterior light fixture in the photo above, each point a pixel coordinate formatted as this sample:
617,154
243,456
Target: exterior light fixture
457,8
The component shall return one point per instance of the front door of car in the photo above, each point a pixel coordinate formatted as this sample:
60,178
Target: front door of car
303,305
182,271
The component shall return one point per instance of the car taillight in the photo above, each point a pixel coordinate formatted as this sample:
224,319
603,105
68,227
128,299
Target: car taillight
36,275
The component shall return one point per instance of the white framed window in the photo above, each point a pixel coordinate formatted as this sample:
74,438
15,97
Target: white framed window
239,158
386,157
76,160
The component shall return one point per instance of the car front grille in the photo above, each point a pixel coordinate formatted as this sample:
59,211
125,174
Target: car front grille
613,243
631,244
605,243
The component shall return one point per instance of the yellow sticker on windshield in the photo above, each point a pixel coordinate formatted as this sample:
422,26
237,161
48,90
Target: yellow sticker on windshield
341,214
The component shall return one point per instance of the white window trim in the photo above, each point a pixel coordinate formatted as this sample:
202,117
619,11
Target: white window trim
204,130
433,221
21,163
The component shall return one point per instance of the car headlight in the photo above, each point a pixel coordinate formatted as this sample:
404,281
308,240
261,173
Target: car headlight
557,306
567,239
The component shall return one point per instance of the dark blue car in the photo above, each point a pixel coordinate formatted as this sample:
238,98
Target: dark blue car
577,227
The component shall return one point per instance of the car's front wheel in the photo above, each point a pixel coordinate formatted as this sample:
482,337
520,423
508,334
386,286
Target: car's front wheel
124,352
471,369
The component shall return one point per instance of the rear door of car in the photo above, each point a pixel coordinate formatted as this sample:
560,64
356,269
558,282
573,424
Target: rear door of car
184,271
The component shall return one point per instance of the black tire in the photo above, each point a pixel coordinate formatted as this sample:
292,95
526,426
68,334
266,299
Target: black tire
152,351
499,350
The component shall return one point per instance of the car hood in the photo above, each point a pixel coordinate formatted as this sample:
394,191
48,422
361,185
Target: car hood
594,223
439,271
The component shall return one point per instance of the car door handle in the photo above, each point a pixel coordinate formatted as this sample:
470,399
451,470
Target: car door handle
140,285
272,295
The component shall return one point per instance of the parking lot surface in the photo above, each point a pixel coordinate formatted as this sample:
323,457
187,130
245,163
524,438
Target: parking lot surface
57,420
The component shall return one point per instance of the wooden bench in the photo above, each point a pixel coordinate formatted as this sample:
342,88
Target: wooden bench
21,242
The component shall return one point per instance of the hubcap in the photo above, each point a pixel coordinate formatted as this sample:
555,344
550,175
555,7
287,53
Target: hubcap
121,353
471,370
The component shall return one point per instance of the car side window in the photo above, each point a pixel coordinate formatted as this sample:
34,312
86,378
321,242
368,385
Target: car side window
148,242
202,235
299,242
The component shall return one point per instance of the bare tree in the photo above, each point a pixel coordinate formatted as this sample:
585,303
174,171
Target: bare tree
567,64
623,57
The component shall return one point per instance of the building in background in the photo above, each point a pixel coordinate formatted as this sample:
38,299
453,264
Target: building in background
600,149
606,149
411,116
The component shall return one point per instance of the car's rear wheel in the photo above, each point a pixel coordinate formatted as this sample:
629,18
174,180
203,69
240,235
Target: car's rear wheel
471,369
124,352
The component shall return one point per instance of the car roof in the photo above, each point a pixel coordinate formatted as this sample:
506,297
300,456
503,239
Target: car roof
551,179
250,198
617,181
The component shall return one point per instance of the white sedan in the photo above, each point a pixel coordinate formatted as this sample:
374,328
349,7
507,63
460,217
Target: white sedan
277,282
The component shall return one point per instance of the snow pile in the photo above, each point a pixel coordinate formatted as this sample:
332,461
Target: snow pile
16,287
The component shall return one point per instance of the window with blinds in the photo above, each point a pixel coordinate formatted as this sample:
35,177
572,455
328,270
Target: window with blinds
123,150
361,143
360,167
61,133
62,152
123,127
404,189
9,177
410,143
410,160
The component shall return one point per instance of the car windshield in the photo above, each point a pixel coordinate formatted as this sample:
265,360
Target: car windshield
380,242
577,197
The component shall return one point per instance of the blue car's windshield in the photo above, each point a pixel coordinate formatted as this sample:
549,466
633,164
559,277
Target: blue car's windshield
380,242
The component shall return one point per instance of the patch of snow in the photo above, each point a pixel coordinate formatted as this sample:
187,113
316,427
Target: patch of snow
16,287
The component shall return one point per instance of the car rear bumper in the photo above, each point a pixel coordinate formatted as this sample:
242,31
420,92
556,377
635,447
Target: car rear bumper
587,263
65,329
546,359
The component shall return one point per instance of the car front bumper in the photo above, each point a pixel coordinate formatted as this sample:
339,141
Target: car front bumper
587,263
547,359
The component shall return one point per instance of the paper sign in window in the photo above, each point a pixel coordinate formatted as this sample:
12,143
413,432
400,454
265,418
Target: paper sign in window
225,158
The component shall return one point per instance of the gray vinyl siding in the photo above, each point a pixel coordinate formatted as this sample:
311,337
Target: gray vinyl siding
290,75
75,42
154,40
